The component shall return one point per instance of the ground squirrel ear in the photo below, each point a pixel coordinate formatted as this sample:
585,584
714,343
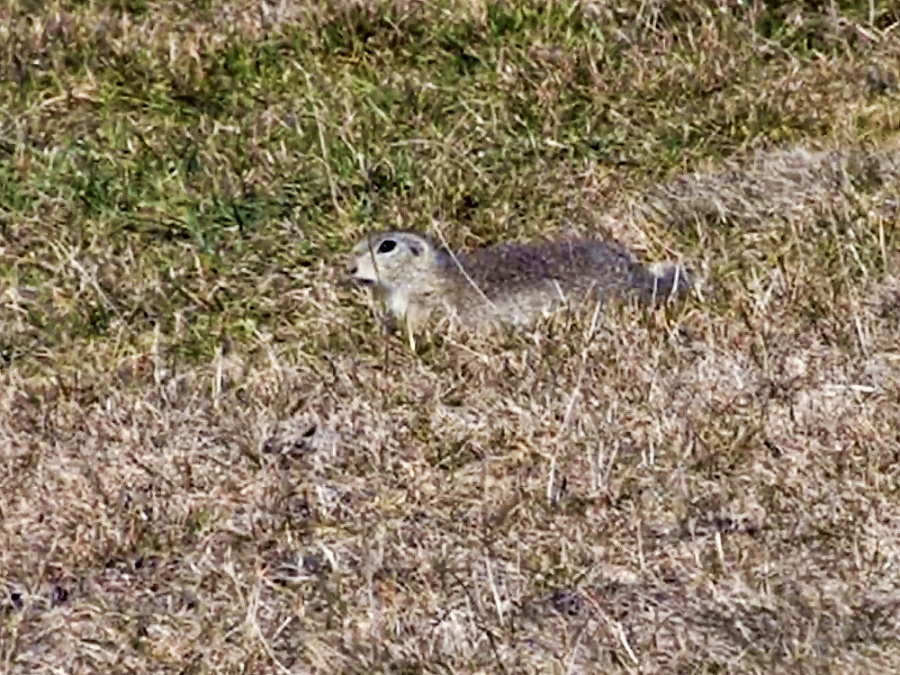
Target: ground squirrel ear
415,248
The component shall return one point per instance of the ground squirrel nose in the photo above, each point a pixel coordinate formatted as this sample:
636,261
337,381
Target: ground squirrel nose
353,276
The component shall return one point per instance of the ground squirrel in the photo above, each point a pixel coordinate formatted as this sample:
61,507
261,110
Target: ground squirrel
512,284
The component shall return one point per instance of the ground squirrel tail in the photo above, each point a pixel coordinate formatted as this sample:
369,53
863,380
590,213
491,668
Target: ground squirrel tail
664,281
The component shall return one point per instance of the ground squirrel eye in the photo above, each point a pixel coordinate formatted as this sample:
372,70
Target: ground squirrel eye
387,246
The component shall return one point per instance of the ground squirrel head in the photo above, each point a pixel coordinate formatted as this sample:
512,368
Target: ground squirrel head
396,265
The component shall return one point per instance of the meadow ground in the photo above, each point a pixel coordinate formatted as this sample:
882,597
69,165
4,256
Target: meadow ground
211,460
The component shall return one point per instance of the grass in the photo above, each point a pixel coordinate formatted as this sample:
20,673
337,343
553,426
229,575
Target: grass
212,461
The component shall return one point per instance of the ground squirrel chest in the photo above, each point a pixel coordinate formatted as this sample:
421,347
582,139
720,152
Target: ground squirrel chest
416,277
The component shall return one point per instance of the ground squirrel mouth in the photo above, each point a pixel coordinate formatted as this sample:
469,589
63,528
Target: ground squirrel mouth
352,272
355,280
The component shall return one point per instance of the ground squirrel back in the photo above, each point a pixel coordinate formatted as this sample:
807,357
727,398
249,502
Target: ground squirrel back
415,277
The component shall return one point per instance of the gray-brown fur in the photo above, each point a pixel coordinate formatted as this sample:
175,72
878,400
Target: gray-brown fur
416,277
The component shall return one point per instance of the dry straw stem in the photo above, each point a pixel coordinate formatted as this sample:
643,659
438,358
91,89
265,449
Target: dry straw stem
211,462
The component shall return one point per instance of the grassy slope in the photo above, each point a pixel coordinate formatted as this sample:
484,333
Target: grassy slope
210,461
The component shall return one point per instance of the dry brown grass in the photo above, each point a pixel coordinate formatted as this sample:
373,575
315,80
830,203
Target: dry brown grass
212,462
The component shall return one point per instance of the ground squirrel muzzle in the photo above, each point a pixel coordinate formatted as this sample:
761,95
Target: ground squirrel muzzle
415,277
